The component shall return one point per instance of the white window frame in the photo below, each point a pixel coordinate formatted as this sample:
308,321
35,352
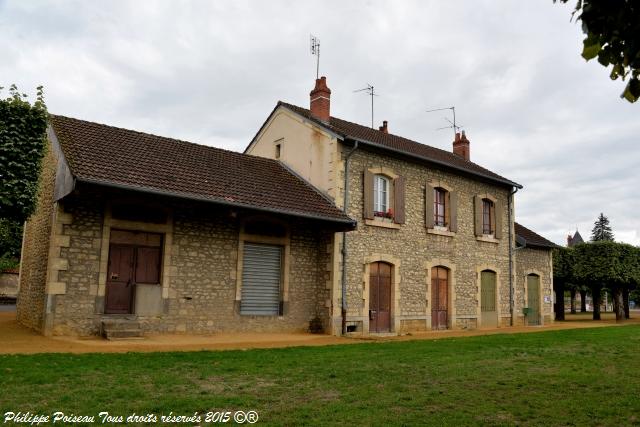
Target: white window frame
381,185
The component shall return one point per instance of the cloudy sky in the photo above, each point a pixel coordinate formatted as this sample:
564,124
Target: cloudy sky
211,71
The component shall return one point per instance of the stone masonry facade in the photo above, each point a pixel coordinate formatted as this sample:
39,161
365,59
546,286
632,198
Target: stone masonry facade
35,251
415,250
538,262
199,284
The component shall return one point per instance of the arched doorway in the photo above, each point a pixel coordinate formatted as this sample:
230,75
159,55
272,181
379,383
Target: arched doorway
488,299
439,297
533,299
379,297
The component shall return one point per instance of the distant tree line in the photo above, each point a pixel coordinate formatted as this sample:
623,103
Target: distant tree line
599,265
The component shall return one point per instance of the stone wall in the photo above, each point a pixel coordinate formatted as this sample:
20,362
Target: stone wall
9,284
35,251
74,306
201,270
534,261
418,250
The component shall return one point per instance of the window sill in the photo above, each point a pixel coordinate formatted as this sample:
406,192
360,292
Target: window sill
441,232
487,238
383,224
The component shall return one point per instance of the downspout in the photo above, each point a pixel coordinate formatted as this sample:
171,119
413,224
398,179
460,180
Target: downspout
511,222
344,240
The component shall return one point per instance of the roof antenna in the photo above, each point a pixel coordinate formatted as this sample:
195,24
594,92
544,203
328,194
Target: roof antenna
371,92
453,126
315,50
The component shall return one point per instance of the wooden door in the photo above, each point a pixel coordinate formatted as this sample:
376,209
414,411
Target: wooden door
380,297
119,292
533,299
439,298
488,299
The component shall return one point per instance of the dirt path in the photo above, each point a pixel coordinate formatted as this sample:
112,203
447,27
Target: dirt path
18,339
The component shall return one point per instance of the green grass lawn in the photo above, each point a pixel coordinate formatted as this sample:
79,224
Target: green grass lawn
570,377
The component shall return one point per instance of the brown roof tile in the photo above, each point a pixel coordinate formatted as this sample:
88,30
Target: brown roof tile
406,146
531,238
109,155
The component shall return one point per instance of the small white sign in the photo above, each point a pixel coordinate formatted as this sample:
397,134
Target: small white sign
547,299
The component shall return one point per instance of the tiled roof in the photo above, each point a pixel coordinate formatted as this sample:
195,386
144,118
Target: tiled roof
108,155
396,143
532,239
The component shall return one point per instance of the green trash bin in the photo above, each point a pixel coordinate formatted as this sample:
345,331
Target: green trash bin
526,311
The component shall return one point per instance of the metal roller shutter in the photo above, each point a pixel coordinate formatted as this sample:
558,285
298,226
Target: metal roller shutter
261,277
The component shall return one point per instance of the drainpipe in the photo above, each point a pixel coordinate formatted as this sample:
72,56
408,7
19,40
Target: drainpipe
344,240
511,221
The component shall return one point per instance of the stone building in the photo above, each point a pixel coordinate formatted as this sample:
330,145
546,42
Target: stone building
534,277
320,222
434,244
135,233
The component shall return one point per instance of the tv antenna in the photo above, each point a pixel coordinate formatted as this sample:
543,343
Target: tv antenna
315,50
371,92
453,124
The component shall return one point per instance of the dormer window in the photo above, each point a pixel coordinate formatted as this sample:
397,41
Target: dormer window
380,195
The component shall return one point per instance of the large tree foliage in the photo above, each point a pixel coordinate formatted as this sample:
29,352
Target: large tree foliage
10,238
22,145
601,230
612,29
610,264
563,262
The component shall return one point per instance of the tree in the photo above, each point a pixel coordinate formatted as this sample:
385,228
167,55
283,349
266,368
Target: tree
601,230
612,30
562,276
606,263
22,145
10,238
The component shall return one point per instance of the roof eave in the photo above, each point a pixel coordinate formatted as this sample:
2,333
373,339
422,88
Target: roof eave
383,147
437,162
346,223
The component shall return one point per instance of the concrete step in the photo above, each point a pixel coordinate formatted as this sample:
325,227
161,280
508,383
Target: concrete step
120,324
122,329
120,334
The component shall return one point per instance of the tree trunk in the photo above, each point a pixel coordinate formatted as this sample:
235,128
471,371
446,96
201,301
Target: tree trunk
618,303
573,300
583,301
559,305
596,297
625,299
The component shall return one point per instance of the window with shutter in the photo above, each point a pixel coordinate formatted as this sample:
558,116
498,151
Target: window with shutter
380,195
441,209
488,217
384,197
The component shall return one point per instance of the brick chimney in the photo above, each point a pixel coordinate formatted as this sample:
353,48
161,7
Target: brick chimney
383,128
320,100
461,146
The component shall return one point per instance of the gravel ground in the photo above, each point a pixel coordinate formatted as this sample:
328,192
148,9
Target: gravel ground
18,339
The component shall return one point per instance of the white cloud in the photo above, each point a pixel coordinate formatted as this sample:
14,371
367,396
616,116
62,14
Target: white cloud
210,72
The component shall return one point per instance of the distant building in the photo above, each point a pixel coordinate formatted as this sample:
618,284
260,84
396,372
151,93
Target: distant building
572,241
